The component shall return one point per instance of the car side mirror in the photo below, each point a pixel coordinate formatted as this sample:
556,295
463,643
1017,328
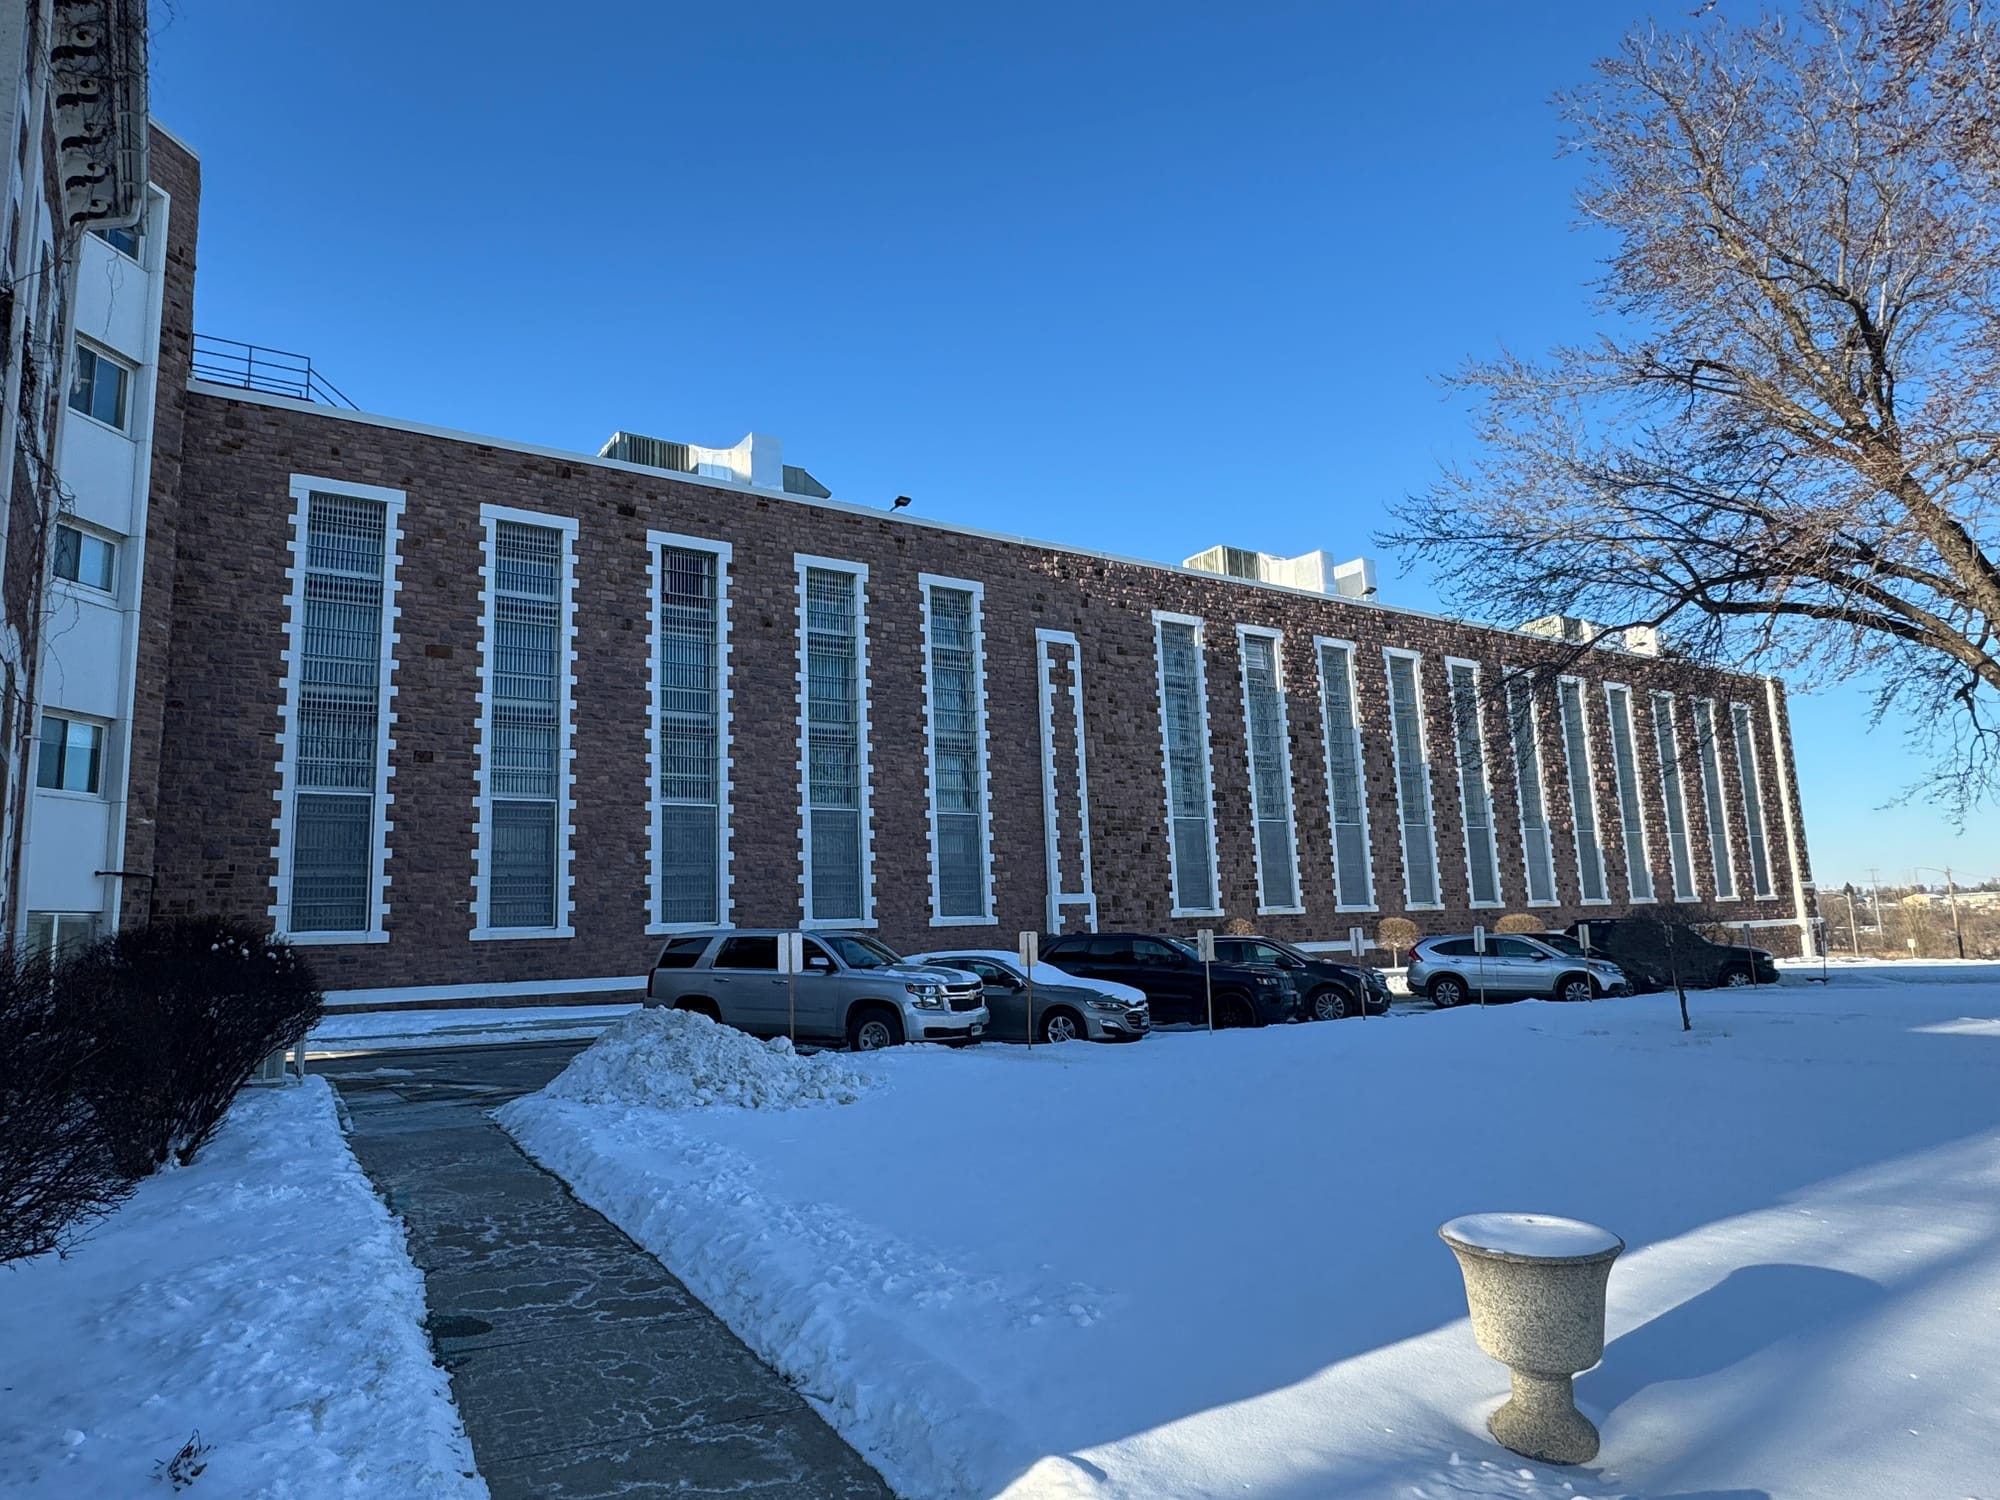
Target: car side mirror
819,966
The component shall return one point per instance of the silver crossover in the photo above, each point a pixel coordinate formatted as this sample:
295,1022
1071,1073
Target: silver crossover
1452,971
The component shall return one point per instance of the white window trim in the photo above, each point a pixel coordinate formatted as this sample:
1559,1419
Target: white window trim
1360,768
1390,653
1714,806
925,583
656,838
1508,678
1590,781
393,502
1747,779
1168,617
1058,898
1680,787
490,517
1625,834
802,562
106,769
1486,779
1277,640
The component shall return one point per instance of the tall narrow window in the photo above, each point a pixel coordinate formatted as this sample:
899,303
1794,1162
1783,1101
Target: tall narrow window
338,746
836,739
1475,794
1524,725
1346,802
1268,737
1711,799
1413,778
690,708
955,698
1582,789
1753,798
525,734
1184,744
1631,817
1674,794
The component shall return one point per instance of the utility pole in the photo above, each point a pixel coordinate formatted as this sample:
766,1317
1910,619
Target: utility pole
1853,927
1951,895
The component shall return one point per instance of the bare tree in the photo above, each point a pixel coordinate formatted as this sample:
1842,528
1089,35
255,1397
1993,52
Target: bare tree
1785,449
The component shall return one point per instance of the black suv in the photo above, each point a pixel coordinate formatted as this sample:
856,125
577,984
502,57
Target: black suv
1649,952
1170,975
1331,990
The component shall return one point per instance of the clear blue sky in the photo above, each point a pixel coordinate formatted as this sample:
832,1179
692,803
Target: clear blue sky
1134,277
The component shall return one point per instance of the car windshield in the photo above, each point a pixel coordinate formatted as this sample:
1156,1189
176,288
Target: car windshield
860,952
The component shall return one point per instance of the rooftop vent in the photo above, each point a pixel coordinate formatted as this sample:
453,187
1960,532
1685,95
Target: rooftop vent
756,461
1310,570
1573,630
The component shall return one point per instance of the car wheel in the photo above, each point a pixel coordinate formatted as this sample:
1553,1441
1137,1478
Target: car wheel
1233,1011
1736,977
1447,990
702,1008
1063,1026
1329,1004
873,1029
1575,987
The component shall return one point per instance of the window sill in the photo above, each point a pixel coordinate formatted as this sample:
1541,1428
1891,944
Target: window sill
517,934
836,924
1357,910
965,921
327,939
88,592
70,794
1550,902
1195,911
1281,911
99,422
677,929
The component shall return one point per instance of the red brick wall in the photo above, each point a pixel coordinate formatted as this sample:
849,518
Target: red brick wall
178,174
223,675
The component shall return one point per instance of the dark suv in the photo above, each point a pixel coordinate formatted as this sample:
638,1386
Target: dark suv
1331,990
1649,952
1170,975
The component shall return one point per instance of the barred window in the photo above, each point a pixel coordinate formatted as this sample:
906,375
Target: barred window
1184,726
836,877
1582,788
1674,794
1475,800
1524,722
1711,799
957,714
524,723
1347,804
1413,779
1631,816
1270,772
688,732
1753,798
337,723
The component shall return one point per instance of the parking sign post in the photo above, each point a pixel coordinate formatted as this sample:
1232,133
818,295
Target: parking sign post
1355,939
1204,946
791,958
1479,947
1031,952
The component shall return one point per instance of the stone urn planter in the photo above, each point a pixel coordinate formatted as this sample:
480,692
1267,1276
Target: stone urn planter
1535,1285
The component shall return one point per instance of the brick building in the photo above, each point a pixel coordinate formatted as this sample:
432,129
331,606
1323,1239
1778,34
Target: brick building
478,718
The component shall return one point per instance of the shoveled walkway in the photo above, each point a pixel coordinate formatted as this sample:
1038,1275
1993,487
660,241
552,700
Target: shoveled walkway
580,1366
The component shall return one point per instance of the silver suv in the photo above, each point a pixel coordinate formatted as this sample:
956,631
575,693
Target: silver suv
1451,971
853,989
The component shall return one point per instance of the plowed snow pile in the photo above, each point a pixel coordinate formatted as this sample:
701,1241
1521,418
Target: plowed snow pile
676,1059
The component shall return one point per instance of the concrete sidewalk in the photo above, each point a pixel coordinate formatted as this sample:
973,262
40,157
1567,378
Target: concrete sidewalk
580,1366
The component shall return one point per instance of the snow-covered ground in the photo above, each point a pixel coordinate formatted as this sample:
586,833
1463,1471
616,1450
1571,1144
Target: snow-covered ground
390,1030
261,1298
1208,1266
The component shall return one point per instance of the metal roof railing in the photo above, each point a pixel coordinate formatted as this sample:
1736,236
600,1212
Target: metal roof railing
255,368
